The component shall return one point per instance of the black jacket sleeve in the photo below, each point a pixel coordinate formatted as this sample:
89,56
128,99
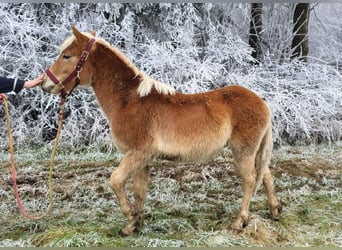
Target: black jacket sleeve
7,85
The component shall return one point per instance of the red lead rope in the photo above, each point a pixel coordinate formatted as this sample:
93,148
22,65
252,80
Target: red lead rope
13,172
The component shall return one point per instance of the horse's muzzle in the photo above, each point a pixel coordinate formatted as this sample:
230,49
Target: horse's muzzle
49,87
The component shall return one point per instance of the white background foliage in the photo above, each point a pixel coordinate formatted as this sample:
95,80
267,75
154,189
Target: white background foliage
193,47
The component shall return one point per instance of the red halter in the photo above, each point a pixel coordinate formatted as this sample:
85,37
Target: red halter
75,73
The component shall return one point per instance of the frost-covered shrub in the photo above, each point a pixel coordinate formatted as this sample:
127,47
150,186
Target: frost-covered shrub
326,34
193,47
305,100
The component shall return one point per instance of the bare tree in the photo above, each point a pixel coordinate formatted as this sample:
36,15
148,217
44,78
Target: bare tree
255,29
300,41
202,37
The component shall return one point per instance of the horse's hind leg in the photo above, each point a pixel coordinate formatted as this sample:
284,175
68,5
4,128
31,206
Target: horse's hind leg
132,162
274,204
246,167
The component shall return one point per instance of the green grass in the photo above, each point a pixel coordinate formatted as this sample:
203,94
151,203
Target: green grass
187,205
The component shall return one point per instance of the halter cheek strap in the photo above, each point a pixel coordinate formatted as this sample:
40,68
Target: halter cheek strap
74,74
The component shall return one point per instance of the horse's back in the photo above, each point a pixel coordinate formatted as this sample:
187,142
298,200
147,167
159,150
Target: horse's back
239,103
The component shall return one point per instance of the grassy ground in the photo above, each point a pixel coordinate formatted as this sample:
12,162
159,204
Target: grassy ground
187,204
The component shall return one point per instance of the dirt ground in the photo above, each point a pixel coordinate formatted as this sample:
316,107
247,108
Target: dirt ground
187,204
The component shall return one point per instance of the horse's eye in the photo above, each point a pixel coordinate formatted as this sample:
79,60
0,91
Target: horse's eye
66,57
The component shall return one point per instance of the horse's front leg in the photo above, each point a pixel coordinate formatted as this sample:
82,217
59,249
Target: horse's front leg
140,186
133,161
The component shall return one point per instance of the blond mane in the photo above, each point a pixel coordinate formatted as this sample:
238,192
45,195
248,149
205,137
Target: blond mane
146,84
145,87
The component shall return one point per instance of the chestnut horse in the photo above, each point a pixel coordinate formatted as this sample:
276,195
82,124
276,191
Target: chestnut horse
150,120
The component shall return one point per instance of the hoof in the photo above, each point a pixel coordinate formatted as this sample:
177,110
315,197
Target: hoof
239,225
122,233
275,214
235,229
127,231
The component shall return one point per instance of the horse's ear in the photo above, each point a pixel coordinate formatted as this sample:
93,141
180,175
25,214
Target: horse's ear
93,33
76,32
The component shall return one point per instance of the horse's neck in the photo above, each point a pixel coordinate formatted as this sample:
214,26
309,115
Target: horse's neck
114,84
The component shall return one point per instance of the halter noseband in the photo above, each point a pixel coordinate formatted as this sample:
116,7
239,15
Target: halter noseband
74,74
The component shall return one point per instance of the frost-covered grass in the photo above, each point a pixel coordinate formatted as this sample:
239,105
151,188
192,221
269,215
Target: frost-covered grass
187,204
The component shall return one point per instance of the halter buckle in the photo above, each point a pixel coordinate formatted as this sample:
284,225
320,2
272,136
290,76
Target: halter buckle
78,72
60,85
84,55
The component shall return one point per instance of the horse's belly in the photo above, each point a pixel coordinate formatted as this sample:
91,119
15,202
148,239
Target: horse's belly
190,148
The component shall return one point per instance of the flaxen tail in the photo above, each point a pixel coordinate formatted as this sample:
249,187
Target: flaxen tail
263,156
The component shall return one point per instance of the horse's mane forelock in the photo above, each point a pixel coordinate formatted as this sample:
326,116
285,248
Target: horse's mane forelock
146,84
66,43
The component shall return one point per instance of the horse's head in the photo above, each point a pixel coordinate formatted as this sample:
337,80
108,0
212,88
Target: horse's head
72,66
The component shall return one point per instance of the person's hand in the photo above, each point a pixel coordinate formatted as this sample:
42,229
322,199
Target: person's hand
2,97
33,83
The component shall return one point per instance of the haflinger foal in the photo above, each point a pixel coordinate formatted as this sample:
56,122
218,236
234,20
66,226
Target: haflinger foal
150,120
